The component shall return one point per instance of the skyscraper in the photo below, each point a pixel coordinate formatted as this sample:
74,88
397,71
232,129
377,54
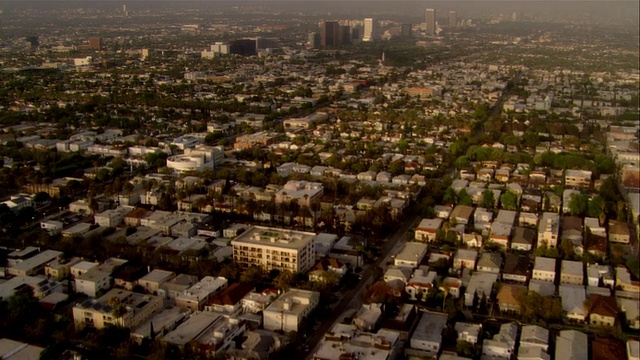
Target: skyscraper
453,19
345,35
330,33
405,31
430,21
370,30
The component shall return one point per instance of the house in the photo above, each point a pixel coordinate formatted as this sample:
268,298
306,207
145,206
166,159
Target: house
482,219
593,225
228,300
465,259
544,269
600,275
420,283
480,285
544,288
507,298
572,272
523,239
631,309
624,280
619,232
502,345
607,348
573,345
500,234
633,349
516,268
453,285
461,214
603,310
368,317
532,353
443,211
549,230
427,229
468,332
573,300
472,240
534,336
427,337
597,245
572,231
490,262
287,312
397,275
411,255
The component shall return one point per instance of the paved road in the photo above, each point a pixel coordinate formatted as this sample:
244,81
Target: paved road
352,299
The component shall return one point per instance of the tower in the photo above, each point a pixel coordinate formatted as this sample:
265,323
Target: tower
370,31
453,19
430,21
345,35
330,33
405,31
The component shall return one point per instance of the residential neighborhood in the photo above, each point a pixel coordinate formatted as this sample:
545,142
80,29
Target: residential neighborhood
211,181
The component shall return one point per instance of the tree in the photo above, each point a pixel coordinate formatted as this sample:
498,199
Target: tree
509,200
284,280
578,204
596,207
464,198
450,196
253,274
567,248
488,199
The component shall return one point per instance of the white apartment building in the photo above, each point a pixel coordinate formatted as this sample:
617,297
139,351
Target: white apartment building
287,312
275,248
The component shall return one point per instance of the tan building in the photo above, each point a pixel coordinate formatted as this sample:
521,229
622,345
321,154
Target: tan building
275,248
544,269
549,229
117,307
427,229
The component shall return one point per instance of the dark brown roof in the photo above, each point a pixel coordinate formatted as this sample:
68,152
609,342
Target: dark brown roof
608,349
516,264
233,294
603,305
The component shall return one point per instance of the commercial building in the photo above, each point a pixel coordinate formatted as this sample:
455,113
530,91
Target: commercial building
330,34
430,21
370,30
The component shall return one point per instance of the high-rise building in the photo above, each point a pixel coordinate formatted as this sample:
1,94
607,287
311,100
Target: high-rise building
95,43
430,21
345,35
370,30
453,19
355,34
405,31
330,33
314,40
